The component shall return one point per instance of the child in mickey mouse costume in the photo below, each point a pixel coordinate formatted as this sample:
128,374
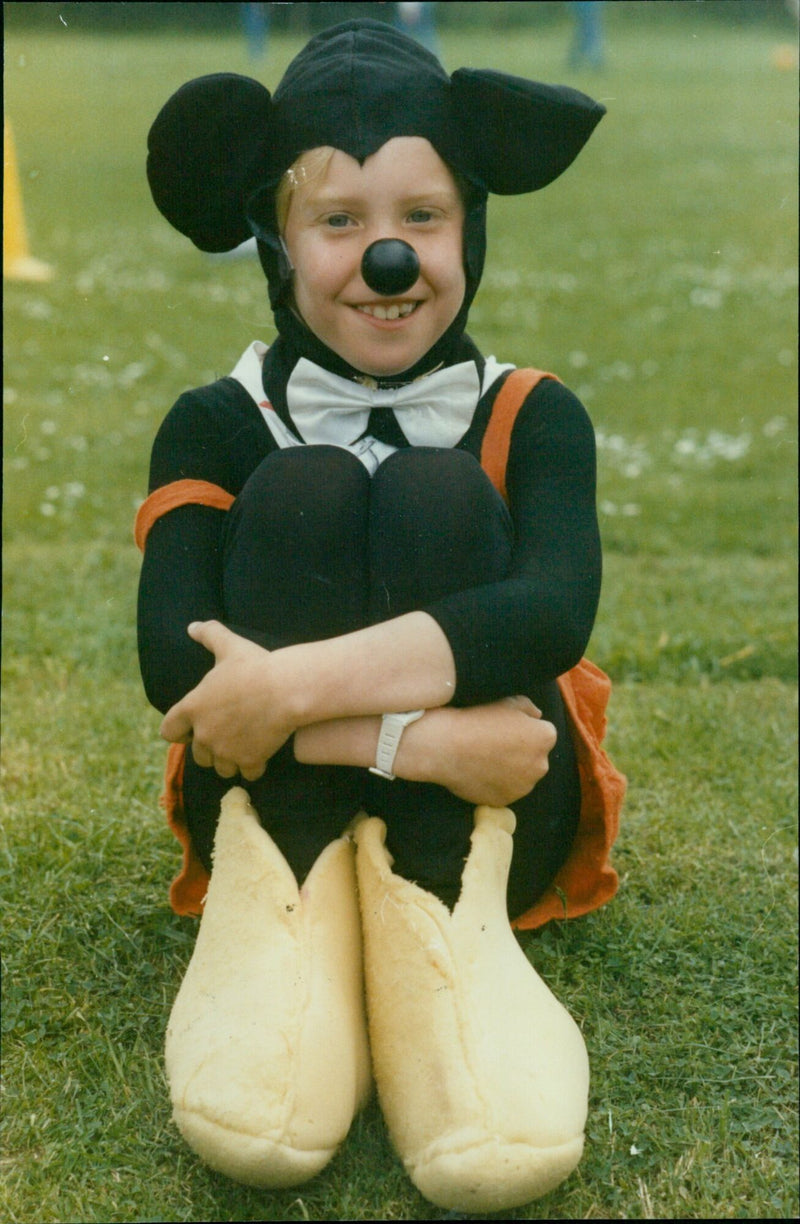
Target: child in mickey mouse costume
371,567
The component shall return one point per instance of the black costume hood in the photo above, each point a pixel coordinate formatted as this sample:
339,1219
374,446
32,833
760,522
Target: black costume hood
221,144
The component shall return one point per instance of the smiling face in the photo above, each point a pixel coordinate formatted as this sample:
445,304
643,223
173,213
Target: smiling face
405,191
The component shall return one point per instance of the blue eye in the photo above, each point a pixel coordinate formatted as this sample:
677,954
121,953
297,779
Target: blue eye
421,214
338,220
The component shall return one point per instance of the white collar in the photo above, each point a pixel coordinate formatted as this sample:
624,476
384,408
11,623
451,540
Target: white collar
435,410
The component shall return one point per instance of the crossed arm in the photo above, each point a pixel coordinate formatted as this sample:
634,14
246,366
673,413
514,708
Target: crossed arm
330,696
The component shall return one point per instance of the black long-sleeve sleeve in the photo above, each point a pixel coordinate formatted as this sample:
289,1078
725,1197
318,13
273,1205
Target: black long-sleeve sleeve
508,636
213,434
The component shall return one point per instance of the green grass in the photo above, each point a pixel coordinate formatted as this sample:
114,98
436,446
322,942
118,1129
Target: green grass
658,278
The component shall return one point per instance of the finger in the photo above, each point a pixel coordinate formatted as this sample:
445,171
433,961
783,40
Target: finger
253,773
203,756
553,734
525,704
176,726
211,634
225,769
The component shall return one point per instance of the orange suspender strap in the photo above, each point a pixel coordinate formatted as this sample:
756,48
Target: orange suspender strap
497,439
586,880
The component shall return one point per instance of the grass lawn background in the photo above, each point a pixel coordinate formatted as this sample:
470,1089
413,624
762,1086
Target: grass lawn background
658,278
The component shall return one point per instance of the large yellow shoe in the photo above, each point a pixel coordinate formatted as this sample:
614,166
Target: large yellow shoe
266,1050
482,1075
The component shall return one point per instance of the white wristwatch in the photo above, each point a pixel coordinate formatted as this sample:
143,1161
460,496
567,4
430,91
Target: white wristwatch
392,728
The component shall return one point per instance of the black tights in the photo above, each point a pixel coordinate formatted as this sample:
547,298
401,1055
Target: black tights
315,547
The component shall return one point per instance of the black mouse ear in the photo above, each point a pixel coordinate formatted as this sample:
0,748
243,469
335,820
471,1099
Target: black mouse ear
520,135
205,151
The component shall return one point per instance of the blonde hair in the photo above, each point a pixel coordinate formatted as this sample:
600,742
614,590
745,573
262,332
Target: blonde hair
309,167
312,165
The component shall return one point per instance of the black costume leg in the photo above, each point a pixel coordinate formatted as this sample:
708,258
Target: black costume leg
547,817
296,555
438,526
295,570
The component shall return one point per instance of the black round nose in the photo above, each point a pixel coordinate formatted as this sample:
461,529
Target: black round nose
390,266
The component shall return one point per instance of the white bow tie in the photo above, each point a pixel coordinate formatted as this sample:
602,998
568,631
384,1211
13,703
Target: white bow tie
435,410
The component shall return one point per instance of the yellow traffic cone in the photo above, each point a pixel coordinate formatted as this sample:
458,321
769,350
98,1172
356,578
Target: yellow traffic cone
18,263
784,57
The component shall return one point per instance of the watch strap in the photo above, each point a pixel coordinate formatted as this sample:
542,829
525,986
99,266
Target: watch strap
392,728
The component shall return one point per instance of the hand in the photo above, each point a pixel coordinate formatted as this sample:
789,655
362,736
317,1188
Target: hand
489,754
233,717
